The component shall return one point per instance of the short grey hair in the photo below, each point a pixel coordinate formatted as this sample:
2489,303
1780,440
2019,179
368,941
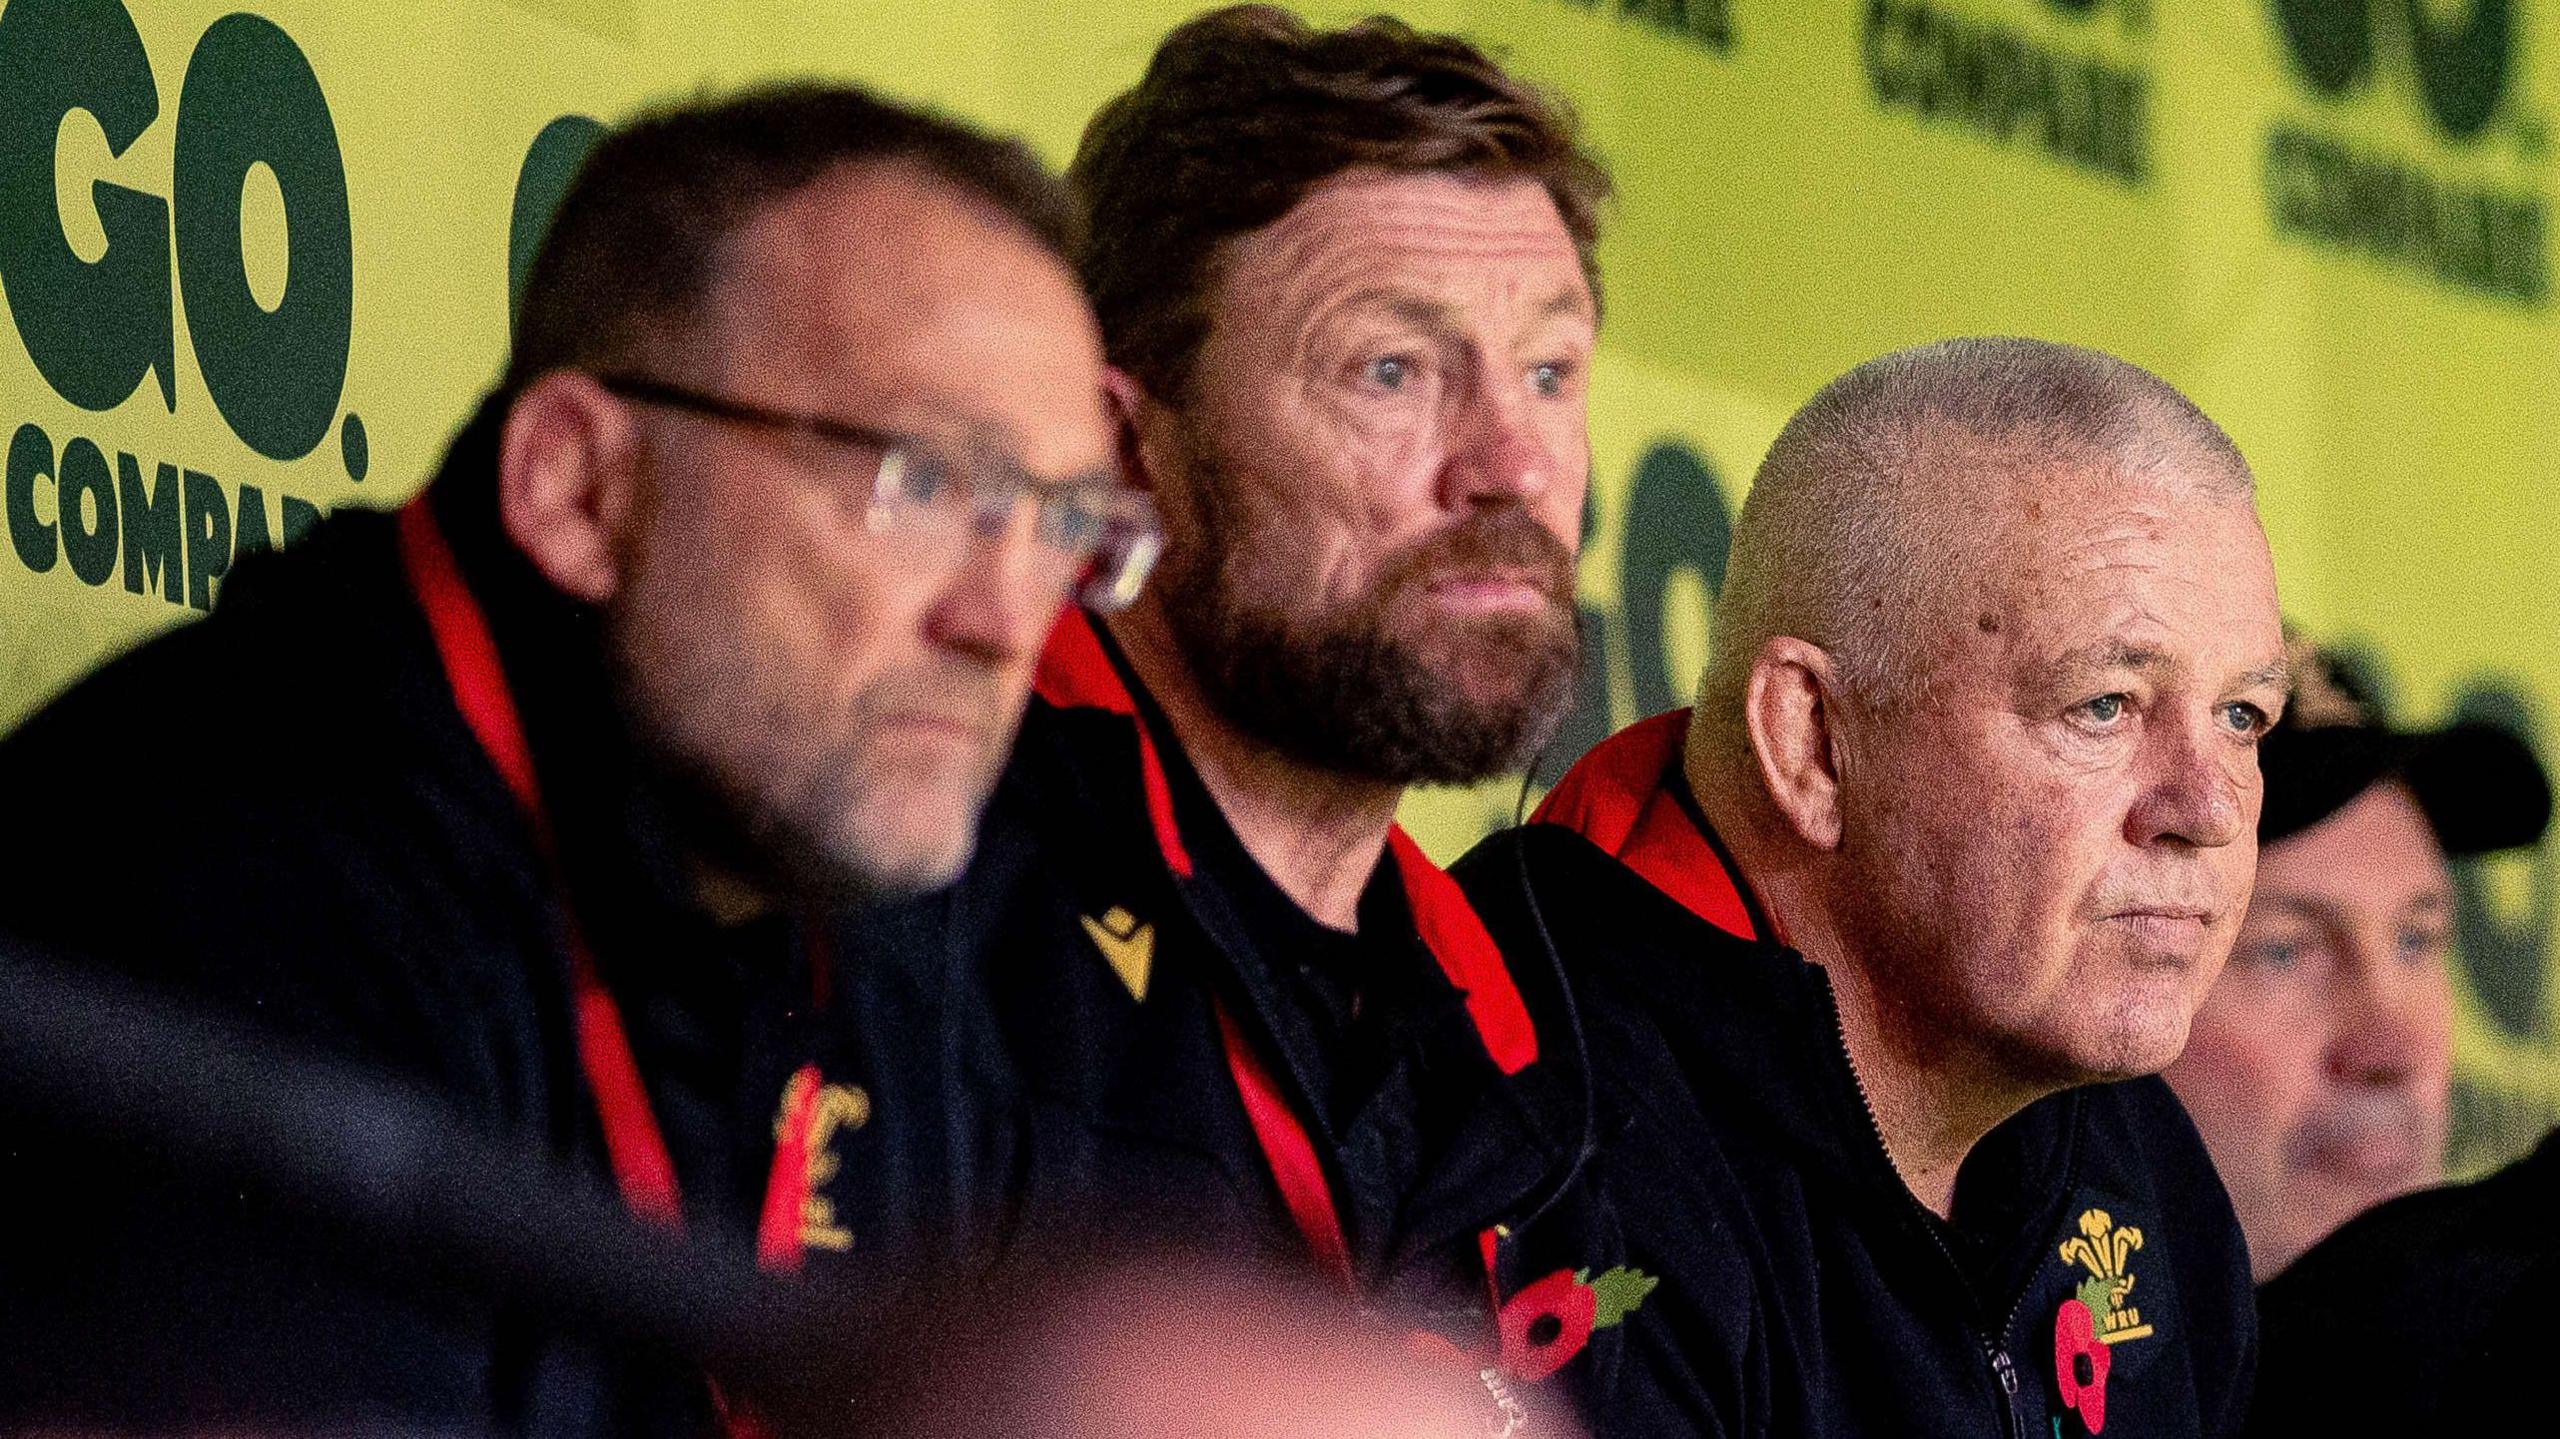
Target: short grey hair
1866,493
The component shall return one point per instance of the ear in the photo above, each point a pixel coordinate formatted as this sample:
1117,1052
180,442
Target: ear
1137,426
568,479
1790,711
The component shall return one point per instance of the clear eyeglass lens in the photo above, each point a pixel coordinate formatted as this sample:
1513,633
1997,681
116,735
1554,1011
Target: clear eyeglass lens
1100,546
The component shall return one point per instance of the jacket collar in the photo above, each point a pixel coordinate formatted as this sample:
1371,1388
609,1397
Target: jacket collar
1630,797
1757,1020
1081,668
615,819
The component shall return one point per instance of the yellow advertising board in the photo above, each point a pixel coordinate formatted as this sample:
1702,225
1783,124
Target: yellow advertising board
256,265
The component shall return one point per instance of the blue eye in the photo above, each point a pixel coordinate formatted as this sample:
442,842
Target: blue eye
1064,522
2245,718
910,477
1388,372
2105,709
2420,944
1548,379
2273,956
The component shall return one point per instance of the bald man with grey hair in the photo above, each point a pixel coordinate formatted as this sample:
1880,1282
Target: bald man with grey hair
1849,522
1879,948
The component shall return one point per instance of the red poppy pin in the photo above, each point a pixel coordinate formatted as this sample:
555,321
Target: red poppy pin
2100,1313
1548,1322
2080,1363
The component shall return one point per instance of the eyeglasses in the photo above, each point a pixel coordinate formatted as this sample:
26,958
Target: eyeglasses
1095,539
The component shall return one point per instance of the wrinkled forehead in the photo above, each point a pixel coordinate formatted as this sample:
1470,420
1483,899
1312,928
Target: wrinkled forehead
2049,559
1495,244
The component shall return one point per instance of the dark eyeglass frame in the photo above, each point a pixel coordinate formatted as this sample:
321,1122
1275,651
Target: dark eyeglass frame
1115,566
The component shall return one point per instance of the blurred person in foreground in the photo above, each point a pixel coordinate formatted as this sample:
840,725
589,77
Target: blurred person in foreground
549,792
2320,1069
1190,1355
1873,945
1345,282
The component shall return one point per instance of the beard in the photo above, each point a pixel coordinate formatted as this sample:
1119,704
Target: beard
1384,686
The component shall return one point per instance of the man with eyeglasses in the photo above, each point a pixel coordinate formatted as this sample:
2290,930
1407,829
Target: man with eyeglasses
553,790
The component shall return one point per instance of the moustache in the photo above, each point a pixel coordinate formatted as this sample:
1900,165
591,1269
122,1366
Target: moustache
1488,544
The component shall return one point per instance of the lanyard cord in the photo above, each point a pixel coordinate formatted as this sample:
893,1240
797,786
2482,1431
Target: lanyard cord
637,1150
1290,1154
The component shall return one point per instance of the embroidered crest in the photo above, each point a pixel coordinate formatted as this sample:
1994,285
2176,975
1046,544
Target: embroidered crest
839,1107
1128,946
2097,1315
2104,1248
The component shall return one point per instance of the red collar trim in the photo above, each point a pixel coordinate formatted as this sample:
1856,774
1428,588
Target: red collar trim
1457,938
1076,673
1620,797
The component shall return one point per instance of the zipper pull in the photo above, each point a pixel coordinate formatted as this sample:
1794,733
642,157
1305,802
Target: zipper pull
2007,1371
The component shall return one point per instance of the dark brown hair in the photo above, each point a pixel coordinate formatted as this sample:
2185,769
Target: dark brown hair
1244,111
637,240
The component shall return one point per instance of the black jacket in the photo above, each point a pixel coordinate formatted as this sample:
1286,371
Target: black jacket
2423,1315
1804,1290
278,815
283,815
1117,928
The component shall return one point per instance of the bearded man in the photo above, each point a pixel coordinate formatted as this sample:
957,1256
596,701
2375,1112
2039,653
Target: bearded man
1346,288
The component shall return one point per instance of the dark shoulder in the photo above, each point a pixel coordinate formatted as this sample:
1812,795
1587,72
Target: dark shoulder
263,803
2399,1317
1545,882
2135,1137
2490,1220
292,654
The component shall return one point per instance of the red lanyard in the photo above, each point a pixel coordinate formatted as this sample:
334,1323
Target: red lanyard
637,1150
1077,672
1291,1154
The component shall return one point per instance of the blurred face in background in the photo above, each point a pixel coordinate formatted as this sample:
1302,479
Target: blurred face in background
2320,1068
1373,482
838,675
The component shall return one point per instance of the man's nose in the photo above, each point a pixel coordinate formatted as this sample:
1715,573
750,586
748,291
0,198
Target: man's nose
2199,789
995,603
1496,455
2383,1035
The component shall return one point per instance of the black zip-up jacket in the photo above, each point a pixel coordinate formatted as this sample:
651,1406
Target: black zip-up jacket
1117,927
279,815
2092,1279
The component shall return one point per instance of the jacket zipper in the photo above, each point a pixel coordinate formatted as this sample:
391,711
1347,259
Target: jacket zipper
2003,1368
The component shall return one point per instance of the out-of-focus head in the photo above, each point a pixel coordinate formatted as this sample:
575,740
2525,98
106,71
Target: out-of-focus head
1188,1355
1346,284
1997,642
2320,1068
806,402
